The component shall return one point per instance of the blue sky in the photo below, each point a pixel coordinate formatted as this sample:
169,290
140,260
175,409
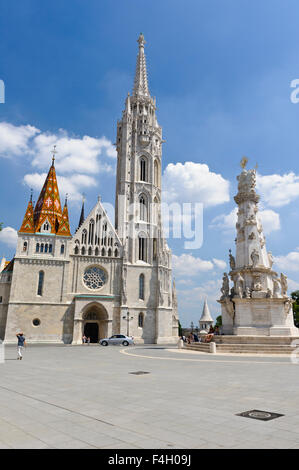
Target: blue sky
221,73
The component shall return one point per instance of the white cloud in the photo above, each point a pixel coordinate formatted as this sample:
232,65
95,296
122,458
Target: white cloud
189,265
278,190
227,222
194,182
9,236
289,262
270,220
78,159
219,263
74,154
15,140
72,185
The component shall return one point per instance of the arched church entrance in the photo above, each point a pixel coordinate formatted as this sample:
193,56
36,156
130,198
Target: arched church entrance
95,322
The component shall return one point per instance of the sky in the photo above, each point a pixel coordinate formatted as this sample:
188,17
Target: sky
221,73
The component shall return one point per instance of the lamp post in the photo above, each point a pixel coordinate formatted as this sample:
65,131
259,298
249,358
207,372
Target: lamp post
128,318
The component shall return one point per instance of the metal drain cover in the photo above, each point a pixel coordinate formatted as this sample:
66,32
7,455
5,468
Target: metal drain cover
261,415
139,372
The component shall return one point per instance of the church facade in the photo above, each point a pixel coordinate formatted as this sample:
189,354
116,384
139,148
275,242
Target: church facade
103,279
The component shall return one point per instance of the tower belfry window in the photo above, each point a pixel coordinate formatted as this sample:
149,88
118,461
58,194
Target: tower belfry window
142,248
143,169
142,208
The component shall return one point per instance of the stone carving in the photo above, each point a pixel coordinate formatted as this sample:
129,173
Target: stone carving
284,285
251,220
225,286
232,261
247,181
271,259
269,293
239,285
229,307
248,293
251,236
288,307
255,257
257,283
276,288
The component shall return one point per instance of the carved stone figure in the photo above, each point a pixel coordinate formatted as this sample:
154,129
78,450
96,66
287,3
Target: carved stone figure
239,285
276,288
232,261
225,286
247,293
251,236
229,307
284,285
271,259
269,293
255,258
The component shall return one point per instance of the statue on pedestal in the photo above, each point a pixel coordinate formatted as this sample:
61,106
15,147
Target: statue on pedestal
225,286
254,257
284,285
239,286
232,261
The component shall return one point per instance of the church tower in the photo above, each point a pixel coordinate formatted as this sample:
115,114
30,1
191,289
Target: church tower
147,258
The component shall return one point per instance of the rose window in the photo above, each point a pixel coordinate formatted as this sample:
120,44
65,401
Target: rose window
94,277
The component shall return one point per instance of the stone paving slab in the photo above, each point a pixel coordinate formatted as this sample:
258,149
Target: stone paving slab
77,397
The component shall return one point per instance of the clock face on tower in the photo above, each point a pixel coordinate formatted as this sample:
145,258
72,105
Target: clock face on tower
94,277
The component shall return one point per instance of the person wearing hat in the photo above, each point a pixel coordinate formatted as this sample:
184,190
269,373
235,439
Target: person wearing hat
21,344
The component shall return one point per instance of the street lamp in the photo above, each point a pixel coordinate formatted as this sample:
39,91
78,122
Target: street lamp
128,318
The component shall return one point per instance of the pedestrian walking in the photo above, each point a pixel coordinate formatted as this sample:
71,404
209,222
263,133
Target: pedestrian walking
21,344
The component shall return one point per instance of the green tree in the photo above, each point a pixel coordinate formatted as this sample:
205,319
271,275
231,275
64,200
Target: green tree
219,321
295,297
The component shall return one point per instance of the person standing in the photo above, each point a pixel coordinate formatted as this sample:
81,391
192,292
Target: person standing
21,344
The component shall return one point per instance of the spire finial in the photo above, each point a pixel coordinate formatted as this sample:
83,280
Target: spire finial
66,198
244,162
140,82
31,194
54,152
141,41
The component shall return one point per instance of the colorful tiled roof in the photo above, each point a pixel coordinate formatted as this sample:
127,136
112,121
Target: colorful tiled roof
47,209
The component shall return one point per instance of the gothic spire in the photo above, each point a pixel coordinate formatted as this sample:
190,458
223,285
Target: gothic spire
140,82
82,218
28,223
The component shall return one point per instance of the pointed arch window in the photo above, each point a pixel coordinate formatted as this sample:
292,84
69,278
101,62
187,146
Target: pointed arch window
143,208
89,251
91,232
140,320
143,169
84,237
42,248
61,249
76,250
141,286
41,276
142,247
83,251
37,248
25,246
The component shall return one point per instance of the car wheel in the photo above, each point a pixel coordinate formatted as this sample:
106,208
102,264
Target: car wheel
104,343
125,343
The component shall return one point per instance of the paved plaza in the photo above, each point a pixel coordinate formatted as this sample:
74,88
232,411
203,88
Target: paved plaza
87,397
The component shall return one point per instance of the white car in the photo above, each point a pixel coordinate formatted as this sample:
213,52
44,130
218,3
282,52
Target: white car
117,339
